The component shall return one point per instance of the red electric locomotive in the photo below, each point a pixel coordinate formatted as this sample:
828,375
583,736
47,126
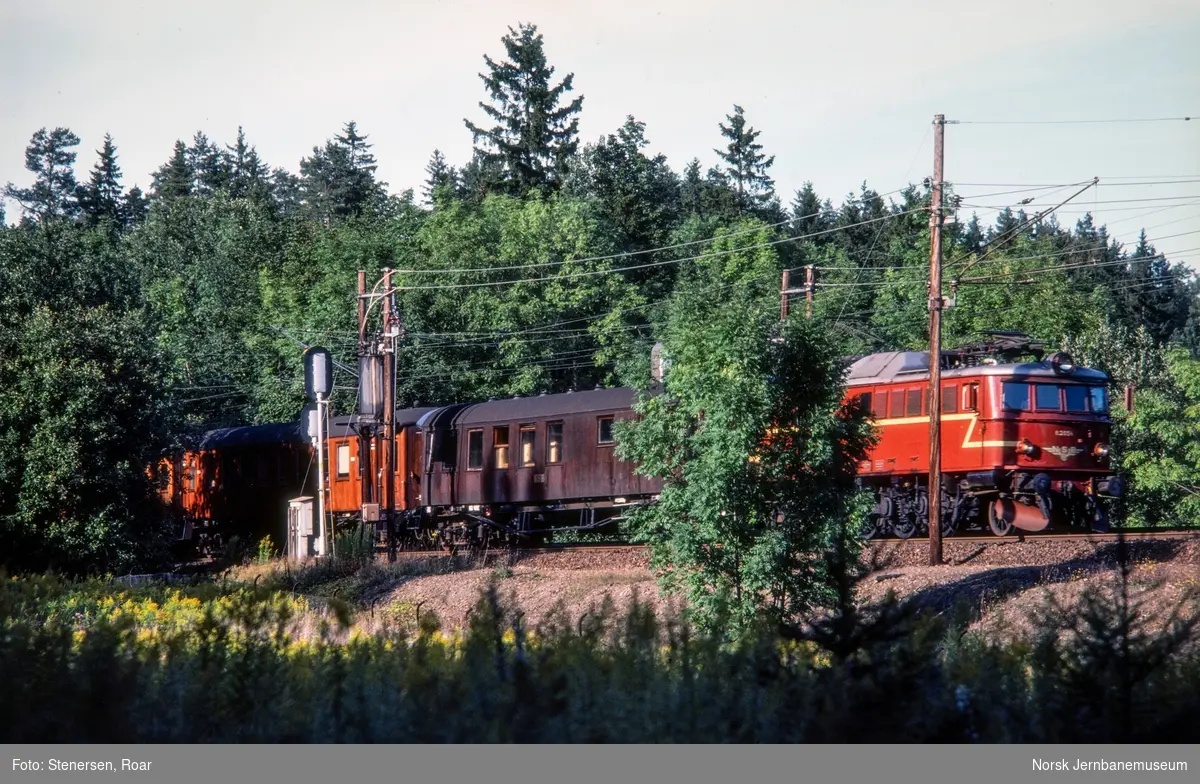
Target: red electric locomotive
1024,444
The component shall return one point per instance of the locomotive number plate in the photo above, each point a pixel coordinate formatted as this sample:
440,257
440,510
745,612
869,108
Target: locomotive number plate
1067,433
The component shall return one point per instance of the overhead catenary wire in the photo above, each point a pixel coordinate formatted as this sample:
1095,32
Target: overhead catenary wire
618,270
1118,120
643,252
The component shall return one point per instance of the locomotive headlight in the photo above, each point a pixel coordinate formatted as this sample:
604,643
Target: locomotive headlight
1062,363
1100,450
1026,448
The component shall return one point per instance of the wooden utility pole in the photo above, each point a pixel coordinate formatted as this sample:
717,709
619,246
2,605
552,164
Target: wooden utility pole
935,346
785,291
364,443
809,286
388,458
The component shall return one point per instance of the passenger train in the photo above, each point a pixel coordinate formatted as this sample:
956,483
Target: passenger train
1024,445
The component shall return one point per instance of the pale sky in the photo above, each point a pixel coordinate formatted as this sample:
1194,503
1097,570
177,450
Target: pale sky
842,92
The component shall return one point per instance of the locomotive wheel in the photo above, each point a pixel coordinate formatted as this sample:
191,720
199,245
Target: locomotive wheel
949,524
999,524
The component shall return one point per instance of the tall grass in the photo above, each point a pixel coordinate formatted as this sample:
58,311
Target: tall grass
82,662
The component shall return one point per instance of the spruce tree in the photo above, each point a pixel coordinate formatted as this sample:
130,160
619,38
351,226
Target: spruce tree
50,156
534,136
208,166
690,188
639,194
745,165
247,173
972,238
100,197
134,207
808,214
286,191
440,175
174,179
338,181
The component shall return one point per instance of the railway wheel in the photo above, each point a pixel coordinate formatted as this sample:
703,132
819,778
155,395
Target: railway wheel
904,527
949,523
1000,525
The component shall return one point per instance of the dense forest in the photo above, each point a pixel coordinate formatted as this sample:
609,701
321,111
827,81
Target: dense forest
131,321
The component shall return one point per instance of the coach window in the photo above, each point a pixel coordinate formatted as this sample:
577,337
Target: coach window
343,461
604,431
474,450
914,403
500,446
528,434
1076,398
554,434
950,400
896,404
1015,396
1046,397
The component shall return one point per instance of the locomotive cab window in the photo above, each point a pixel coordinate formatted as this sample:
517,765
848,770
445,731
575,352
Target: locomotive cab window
528,434
1046,397
554,435
950,400
1076,398
1098,400
474,450
343,461
500,446
604,430
1015,396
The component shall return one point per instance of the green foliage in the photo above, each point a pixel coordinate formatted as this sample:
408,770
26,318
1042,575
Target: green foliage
206,663
539,267
559,319
100,198
746,166
756,454
82,417
533,136
1163,445
266,550
356,546
338,181
50,156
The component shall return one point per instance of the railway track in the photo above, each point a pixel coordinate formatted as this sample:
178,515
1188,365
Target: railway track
984,539
1111,536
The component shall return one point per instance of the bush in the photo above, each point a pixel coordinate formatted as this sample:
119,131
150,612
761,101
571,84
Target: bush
87,663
